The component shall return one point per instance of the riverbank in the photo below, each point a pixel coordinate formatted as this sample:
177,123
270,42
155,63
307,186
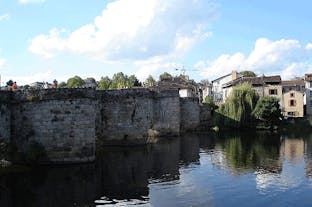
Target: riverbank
297,124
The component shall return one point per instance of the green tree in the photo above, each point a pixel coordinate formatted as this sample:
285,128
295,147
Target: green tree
104,83
247,73
9,83
133,81
75,82
164,76
210,103
26,87
237,110
150,81
119,81
62,85
268,110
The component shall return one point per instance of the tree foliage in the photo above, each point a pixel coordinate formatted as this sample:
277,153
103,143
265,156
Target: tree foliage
104,83
62,85
75,82
150,81
247,73
119,81
237,110
133,81
210,103
9,83
268,110
164,76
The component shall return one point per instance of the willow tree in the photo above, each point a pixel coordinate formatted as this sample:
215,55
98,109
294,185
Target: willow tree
237,110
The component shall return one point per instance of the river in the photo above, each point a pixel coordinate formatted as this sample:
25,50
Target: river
233,169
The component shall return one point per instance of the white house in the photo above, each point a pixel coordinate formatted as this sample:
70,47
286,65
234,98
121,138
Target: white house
217,89
308,93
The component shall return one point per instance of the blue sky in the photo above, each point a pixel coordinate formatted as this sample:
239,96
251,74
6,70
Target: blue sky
43,40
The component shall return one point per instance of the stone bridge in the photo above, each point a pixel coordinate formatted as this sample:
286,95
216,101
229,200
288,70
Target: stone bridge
70,123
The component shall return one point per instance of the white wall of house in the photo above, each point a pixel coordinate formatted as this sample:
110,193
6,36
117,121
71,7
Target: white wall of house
207,91
217,88
308,95
185,93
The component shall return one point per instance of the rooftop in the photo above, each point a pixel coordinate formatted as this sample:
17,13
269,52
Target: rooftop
293,83
255,80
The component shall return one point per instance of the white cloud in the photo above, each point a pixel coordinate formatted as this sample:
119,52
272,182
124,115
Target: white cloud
133,30
46,76
309,46
30,1
286,57
153,66
4,17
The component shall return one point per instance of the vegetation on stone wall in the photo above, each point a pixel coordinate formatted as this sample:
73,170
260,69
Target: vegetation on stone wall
237,110
164,76
208,101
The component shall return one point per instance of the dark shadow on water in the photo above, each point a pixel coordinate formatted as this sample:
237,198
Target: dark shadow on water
126,173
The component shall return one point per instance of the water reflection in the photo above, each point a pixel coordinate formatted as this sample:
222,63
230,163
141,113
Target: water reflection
196,169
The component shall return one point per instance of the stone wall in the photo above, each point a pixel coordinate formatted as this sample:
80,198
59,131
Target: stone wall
69,122
166,120
136,116
61,120
124,116
190,114
5,115
205,117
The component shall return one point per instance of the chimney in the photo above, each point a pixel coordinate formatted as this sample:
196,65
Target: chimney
234,75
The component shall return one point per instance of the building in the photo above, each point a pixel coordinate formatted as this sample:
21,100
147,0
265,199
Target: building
264,85
90,83
40,85
186,87
206,89
308,93
217,86
293,98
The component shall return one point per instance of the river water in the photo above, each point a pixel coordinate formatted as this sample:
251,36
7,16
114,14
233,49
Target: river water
235,169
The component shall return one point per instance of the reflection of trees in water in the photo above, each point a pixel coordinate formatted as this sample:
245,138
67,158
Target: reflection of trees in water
126,172
250,151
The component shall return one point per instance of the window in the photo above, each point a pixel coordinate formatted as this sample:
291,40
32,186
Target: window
273,92
291,113
292,103
310,103
310,93
292,94
310,84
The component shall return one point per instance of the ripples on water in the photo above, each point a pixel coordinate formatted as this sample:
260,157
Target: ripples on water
251,169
